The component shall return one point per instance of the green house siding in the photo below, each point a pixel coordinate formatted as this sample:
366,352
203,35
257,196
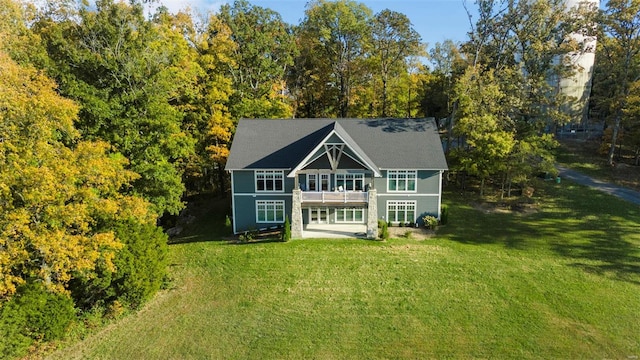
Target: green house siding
426,197
245,217
245,197
244,182
425,205
427,182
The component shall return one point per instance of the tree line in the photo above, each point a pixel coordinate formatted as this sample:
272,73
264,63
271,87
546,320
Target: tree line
503,99
110,115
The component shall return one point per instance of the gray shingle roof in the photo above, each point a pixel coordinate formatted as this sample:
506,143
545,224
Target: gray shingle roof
388,143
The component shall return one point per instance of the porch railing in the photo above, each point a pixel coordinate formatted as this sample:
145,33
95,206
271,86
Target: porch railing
335,197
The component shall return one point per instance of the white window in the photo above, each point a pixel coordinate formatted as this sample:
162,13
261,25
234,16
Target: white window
324,182
401,211
350,182
269,180
270,211
312,182
401,180
314,185
319,215
350,215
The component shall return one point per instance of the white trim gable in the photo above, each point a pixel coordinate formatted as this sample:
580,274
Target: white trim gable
334,152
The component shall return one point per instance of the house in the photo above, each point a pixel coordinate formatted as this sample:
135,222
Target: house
334,171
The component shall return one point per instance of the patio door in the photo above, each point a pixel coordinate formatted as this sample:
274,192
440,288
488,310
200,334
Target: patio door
318,216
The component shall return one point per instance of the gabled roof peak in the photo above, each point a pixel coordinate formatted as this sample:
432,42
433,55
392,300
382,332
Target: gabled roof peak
348,141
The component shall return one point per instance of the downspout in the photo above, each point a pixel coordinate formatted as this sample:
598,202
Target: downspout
440,194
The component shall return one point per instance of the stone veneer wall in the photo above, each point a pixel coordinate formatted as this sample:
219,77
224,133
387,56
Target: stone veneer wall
296,214
372,218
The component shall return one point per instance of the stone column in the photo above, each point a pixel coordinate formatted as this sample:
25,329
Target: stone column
372,215
296,214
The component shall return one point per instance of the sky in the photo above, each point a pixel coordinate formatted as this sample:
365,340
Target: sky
434,20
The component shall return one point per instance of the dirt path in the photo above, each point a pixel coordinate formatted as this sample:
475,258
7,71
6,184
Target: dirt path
629,195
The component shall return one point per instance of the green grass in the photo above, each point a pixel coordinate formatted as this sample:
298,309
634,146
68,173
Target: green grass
563,282
584,156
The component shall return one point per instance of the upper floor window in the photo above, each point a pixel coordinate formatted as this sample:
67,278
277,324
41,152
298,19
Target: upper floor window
401,180
269,180
350,182
317,182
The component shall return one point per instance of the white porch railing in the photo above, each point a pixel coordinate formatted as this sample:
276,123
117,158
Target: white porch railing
334,197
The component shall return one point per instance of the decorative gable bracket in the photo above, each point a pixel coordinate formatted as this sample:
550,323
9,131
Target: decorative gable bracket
334,153
335,145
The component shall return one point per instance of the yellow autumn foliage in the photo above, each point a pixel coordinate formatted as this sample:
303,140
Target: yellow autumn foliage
57,203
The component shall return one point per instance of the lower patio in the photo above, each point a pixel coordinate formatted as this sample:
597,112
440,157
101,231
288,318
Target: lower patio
334,231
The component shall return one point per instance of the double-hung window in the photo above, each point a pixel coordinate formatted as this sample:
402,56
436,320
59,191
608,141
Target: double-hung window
401,180
317,182
270,211
350,182
269,180
401,211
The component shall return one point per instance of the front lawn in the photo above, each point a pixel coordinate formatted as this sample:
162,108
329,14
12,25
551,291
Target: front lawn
561,282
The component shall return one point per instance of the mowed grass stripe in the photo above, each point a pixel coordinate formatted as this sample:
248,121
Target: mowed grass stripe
562,282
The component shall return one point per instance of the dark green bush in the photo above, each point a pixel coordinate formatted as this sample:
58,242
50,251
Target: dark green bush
227,225
140,269
286,231
141,264
444,214
33,314
383,231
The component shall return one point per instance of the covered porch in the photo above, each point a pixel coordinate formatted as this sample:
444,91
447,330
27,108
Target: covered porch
299,230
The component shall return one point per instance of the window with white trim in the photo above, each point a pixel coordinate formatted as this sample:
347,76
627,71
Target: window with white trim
401,180
401,211
269,211
350,215
324,182
313,184
269,180
350,182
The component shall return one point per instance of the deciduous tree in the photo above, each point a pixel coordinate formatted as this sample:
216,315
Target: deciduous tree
619,54
393,42
483,124
57,202
265,52
334,37
126,72
204,103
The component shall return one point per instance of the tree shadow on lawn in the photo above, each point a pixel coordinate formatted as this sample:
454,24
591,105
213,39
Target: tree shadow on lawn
601,233
208,213
469,225
608,232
